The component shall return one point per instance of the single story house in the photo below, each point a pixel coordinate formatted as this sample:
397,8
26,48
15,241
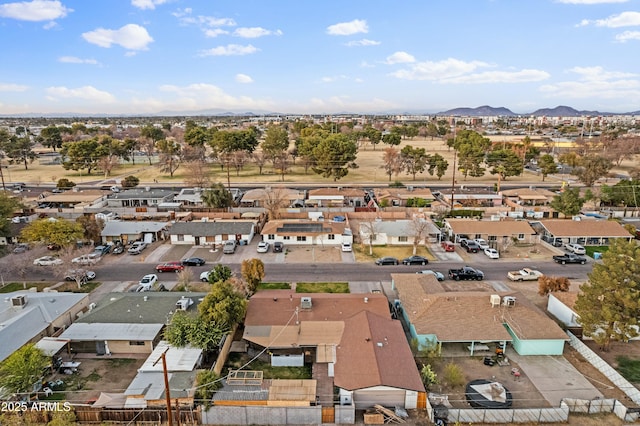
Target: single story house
128,231
586,231
306,232
530,196
472,319
399,197
207,232
470,198
141,197
497,232
336,197
27,317
127,323
261,197
396,232
350,336
189,197
73,199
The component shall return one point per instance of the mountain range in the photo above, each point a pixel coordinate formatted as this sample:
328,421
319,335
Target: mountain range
559,111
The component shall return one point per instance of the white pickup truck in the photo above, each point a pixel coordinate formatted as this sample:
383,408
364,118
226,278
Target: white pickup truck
524,274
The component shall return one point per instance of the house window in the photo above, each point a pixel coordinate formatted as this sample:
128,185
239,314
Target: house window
136,343
478,236
331,236
373,237
180,237
403,239
521,236
301,238
493,238
286,237
271,237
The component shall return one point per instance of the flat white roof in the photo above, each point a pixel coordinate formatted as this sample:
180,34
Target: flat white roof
79,331
177,359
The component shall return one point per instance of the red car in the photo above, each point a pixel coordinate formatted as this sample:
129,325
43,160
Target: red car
170,267
448,246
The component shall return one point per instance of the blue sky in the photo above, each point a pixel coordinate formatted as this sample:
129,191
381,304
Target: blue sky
361,56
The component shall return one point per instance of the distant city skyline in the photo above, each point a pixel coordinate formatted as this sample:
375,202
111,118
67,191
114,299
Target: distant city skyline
148,57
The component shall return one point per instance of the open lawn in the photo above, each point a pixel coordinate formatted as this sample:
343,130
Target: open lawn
399,252
236,361
322,287
274,286
595,249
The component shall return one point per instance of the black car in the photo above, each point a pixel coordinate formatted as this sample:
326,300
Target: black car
118,249
415,260
193,261
277,247
472,246
387,261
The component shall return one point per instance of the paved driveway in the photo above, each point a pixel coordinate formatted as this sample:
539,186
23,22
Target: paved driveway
555,378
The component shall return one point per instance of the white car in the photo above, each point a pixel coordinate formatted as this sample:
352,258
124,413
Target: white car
439,275
346,247
147,282
492,253
47,261
86,259
482,243
204,277
576,248
79,273
263,247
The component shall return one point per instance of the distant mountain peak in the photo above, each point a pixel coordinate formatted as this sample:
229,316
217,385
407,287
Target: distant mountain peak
481,111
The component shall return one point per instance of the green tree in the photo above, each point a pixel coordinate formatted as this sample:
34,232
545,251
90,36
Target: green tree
227,142
170,155
608,305
187,329
22,369
392,138
252,271
152,132
568,202
223,305
547,165
8,205
374,136
92,227
414,160
592,168
80,155
276,140
207,382
217,197
334,156
220,273
437,164
65,183
51,137
53,231
130,182
19,149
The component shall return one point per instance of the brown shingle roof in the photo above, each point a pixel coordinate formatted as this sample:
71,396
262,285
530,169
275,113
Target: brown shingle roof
279,227
344,192
497,228
585,228
374,352
568,298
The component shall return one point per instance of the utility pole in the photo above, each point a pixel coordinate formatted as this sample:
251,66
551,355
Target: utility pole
166,384
453,177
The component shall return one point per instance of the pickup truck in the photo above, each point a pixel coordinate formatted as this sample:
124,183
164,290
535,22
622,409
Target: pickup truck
524,274
569,258
466,273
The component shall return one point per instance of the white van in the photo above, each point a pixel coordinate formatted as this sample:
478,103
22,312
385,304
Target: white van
229,247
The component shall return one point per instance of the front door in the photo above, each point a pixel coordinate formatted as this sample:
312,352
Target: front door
101,347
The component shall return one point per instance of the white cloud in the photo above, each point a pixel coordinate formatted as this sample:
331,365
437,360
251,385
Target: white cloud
88,93
214,32
34,11
243,78
624,19
130,36
9,87
185,18
591,1
595,82
344,103
230,50
254,32
365,64
331,79
628,35
446,69
75,60
363,42
522,76
147,4
199,96
400,58
348,28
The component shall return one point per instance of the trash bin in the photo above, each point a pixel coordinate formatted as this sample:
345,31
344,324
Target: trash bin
597,255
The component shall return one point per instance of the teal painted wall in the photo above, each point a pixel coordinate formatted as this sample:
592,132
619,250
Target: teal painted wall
536,347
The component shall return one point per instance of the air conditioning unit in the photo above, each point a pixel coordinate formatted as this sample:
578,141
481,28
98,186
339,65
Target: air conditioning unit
508,301
19,300
184,303
305,303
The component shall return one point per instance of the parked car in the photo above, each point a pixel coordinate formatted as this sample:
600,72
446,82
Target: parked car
48,261
147,282
20,248
278,247
72,274
204,277
439,275
170,267
575,248
118,249
569,258
263,247
448,246
86,259
347,247
482,243
387,261
53,247
137,247
193,261
466,273
415,260
492,253
229,247
102,250
471,246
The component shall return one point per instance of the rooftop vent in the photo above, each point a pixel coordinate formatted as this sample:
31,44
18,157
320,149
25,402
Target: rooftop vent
19,300
184,303
495,300
305,303
509,301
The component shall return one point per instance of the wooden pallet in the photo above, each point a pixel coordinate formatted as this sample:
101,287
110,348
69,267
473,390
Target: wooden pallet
389,415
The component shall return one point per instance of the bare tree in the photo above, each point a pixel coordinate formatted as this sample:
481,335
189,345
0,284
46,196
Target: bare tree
108,163
260,159
239,159
275,200
392,162
281,163
197,174
369,229
418,228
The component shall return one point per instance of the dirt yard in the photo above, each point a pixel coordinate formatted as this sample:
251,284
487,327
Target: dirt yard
315,254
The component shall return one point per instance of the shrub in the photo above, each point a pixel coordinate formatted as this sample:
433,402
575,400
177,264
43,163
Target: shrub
453,375
429,377
548,285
